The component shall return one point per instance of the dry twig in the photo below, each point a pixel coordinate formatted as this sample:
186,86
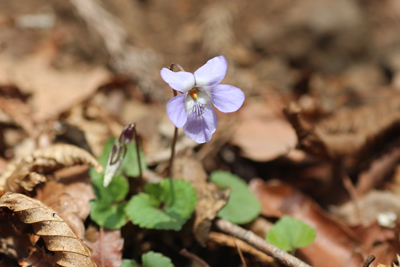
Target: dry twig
259,243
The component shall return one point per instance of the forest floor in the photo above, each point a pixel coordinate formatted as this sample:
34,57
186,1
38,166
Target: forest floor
317,137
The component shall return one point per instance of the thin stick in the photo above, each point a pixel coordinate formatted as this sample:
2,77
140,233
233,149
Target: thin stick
225,240
193,257
260,244
240,252
138,153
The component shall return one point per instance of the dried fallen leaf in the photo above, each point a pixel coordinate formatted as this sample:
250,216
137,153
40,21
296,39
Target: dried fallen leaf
70,201
368,208
335,244
66,248
26,173
209,201
263,133
35,259
20,113
106,249
53,91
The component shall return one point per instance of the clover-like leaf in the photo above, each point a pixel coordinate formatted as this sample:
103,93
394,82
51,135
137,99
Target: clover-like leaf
108,215
115,192
243,206
129,263
153,259
289,234
129,165
166,205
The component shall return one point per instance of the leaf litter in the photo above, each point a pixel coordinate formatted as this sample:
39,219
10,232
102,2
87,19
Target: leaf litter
316,139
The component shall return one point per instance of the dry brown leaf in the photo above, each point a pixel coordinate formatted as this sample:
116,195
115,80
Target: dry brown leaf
378,170
67,249
53,91
106,249
26,173
335,244
35,259
70,201
263,133
380,241
369,207
21,114
349,131
209,201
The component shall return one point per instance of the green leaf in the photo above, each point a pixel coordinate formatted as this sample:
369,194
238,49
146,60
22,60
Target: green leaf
243,206
166,205
114,192
110,216
129,263
153,259
129,164
289,233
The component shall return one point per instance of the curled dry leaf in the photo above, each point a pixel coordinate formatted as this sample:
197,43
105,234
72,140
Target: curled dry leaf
67,249
335,244
26,173
209,202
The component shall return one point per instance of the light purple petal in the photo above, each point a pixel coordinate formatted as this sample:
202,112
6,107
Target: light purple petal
201,128
226,98
211,73
176,110
181,81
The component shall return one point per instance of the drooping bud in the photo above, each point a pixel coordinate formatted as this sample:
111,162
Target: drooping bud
118,152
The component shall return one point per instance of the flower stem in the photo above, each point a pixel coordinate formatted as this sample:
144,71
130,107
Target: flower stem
171,159
138,154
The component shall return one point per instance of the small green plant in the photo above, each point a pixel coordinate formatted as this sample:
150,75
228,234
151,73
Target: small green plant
108,210
150,259
166,205
243,206
290,234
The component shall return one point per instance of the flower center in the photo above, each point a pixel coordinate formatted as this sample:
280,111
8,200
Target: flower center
193,93
196,102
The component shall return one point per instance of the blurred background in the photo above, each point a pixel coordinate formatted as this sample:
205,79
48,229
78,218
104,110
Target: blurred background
321,78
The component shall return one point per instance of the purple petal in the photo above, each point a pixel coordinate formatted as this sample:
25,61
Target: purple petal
212,72
176,110
201,128
181,81
226,98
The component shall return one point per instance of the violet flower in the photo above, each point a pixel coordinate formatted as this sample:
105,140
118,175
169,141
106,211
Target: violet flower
192,110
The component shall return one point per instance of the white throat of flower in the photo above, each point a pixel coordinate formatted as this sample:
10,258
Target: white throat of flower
196,101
